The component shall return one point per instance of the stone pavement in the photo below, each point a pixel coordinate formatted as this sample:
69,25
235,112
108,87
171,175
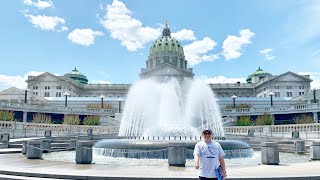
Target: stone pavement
17,165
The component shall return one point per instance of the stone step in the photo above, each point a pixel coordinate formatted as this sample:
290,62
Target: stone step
12,177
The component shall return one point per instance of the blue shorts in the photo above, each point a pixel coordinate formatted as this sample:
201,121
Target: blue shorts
204,178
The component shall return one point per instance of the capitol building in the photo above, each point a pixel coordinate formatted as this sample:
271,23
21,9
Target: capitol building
166,58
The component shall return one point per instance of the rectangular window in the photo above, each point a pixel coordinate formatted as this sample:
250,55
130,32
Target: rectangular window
276,87
181,63
174,61
166,59
58,94
277,94
151,64
289,87
46,94
47,87
58,87
158,61
289,94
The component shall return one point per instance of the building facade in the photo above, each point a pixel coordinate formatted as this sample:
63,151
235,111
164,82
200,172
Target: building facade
166,58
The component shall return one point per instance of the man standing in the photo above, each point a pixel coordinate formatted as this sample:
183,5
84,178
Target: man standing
209,157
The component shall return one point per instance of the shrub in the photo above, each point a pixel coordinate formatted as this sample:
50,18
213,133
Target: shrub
244,121
41,118
303,119
265,119
6,115
71,119
240,106
91,120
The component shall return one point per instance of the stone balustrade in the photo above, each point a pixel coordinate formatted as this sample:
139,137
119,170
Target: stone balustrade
306,130
23,129
45,108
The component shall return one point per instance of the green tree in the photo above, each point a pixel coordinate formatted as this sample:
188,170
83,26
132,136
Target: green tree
6,115
265,119
41,118
303,119
244,121
92,120
71,119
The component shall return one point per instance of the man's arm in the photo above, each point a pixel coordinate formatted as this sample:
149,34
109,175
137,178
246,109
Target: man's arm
223,167
197,161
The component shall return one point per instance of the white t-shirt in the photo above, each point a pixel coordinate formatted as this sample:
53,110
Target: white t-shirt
209,154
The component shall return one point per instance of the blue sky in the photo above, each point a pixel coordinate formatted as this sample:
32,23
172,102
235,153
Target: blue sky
108,41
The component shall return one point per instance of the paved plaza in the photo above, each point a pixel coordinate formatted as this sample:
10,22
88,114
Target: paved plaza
17,165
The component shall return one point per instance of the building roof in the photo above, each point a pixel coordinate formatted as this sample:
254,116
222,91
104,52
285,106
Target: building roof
260,73
77,76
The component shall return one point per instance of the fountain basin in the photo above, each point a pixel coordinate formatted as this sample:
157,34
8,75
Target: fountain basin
158,149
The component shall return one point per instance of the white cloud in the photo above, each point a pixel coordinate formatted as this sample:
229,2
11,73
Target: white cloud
184,34
127,29
39,4
49,23
16,81
267,54
197,51
315,76
100,82
221,79
232,44
84,37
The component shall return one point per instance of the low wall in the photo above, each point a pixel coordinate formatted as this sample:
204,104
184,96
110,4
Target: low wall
22,129
311,131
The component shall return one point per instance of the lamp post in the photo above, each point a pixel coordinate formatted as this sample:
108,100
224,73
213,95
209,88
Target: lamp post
120,100
271,98
66,94
102,97
26,95
314,96
234,100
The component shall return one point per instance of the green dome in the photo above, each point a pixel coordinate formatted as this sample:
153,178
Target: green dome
166,44
77,76
260,73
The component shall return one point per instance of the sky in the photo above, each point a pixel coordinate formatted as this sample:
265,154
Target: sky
108,40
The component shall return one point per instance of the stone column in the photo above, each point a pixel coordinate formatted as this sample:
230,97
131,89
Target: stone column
315,150
25,116
300,147
72,143
33,150
90,133
24,147
251,132
177,154
45,145
315,117
84,152
48,134
295,134
5,138
269,153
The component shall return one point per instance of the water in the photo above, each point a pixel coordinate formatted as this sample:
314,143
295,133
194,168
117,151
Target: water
69,156
170,108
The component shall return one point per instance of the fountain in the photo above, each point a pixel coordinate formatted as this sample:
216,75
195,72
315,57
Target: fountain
167,106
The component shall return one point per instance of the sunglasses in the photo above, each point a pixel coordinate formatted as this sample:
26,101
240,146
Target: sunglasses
207,133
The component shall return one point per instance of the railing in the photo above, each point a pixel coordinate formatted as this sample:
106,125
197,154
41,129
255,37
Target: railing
21,129
272,110
56,109
305,130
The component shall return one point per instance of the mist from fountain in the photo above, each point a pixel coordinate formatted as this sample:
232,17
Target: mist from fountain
170,108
